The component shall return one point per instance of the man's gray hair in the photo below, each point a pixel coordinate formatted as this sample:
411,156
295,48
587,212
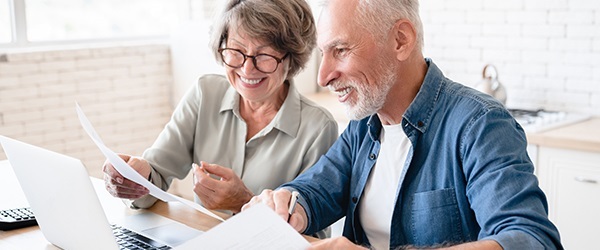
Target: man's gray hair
378,16
288,25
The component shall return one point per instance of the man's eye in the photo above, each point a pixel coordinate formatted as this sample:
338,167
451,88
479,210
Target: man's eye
340,52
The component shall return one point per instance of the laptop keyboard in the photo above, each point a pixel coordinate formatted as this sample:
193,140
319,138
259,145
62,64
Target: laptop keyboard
128,239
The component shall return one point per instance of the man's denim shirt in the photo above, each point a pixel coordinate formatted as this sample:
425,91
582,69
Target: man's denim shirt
468,177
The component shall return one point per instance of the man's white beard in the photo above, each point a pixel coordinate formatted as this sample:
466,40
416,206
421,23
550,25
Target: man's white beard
369,101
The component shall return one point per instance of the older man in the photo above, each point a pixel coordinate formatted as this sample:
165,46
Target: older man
426,162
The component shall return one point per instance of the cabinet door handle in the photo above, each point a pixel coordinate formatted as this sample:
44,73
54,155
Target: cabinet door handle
586,180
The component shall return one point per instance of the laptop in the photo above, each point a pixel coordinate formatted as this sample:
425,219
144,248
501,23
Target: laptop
69,213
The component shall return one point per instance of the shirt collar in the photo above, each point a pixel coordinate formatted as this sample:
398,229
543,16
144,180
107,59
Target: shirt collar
231,101
420,111
287,118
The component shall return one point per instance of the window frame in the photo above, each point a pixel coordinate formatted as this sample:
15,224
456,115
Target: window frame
18,26
18,22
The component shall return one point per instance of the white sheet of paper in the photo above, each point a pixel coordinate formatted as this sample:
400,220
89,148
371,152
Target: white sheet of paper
257,228
128,172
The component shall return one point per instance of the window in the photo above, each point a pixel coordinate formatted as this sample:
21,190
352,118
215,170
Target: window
55,20
5,29
40,22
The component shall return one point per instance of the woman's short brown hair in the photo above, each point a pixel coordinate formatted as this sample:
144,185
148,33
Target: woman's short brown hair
288,24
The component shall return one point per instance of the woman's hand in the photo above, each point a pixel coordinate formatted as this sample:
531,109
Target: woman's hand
227,192
119,186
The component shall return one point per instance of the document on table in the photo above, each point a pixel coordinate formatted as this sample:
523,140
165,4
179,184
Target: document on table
256,228
129,173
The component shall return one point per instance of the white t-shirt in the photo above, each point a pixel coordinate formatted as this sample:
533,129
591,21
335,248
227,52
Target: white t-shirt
377,203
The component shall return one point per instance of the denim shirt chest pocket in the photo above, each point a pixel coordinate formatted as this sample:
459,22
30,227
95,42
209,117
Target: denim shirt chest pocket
435,217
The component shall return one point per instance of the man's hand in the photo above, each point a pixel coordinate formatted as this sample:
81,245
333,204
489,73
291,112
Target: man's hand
279,201
334,243
228,192
120,187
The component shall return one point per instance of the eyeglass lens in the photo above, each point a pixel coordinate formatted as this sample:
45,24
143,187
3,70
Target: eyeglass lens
262,62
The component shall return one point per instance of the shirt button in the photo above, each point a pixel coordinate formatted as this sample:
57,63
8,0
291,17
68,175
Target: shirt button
420,124
372,156
354,200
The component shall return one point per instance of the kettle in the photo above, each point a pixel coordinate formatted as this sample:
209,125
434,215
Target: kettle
490,84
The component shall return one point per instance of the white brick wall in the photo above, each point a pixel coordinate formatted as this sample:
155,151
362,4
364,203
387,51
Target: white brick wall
547,51
124,91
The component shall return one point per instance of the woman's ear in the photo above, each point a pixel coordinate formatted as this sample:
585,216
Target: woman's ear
405,38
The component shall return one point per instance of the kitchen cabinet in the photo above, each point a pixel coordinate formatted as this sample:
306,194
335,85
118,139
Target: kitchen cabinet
568,168
571,181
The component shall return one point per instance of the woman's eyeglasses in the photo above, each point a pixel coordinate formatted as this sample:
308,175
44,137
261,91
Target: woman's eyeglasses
262,62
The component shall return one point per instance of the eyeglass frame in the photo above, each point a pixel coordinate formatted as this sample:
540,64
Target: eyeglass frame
278,60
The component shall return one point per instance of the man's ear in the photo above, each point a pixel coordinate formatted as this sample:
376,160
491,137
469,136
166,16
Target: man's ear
405,38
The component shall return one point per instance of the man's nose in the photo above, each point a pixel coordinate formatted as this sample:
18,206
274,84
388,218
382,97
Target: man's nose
327,71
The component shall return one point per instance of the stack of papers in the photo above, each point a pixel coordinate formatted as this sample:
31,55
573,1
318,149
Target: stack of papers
257,228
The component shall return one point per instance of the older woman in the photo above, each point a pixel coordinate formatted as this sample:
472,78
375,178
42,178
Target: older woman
248,130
